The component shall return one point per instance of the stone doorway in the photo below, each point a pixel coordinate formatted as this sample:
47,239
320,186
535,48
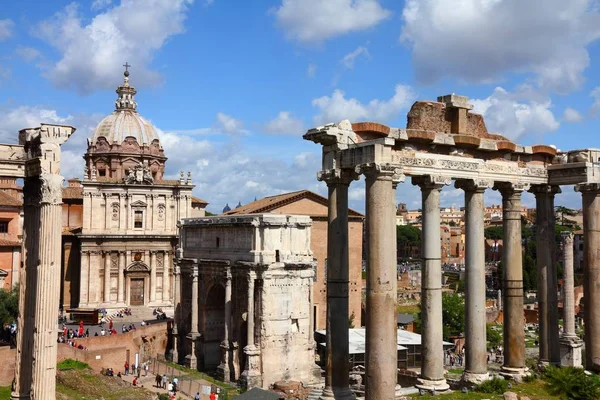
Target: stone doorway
214,326
137,292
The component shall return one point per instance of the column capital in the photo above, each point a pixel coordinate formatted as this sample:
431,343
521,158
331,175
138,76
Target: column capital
122,252
430,182
380,171
544,190
473,185
511,188
44,189
588,188
227,274
567,237
337,176
251,276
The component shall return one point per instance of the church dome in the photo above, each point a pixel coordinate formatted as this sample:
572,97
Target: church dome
125,121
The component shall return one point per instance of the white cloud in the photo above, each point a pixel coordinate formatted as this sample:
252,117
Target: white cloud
100,4
572,115
311,71
338,107
313,21
28,54
595,108
6,29
229,125
92,53
284,124
482,40
512,115
348,60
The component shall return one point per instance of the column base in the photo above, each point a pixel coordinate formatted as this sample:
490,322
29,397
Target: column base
515,374
224,370
251,379
475,378
571,352
337,394
16,396
191,361
429,385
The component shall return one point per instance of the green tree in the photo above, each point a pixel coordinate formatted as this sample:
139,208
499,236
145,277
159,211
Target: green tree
493,336
494,233
406,237
453,315
9,305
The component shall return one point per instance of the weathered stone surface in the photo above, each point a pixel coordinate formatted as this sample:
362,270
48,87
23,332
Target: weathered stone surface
510,396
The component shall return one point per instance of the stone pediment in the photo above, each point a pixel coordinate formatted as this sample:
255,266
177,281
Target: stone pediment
138,267
138,203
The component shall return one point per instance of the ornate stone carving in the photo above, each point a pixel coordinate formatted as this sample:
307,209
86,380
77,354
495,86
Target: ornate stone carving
140,174
161,212
138,267
47,189
333,176
379,171
431,181
115,211
473,184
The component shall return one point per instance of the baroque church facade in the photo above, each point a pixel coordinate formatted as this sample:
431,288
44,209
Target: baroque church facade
119,251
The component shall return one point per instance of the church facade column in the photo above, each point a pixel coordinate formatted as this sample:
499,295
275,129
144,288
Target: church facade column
106,293
191,361
570,344
152,277
381,359
547,282
337,382
251,377
166,281
432,353
121,279
475,298
176,308
514,336
224,370
591,273
84,278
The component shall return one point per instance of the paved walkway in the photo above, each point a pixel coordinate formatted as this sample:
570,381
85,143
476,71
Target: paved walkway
147,382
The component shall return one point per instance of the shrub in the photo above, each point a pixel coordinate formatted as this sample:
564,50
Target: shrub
496,385
69,363
572,383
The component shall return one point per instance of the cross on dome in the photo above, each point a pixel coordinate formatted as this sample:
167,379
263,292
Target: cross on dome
126,100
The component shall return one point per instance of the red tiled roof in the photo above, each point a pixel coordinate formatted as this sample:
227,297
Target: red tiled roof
8,200
271,203
197,200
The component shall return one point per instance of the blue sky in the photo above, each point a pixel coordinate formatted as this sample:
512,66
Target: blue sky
232,85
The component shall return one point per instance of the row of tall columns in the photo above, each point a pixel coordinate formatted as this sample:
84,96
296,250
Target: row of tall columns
432,350
570,344
591,271
337,345
191,360
549,351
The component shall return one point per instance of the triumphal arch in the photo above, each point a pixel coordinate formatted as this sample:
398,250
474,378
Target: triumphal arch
444,141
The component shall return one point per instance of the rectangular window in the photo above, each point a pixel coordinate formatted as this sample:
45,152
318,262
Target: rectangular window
138,220
3,226
102,172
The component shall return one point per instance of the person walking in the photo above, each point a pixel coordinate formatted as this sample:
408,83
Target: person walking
146,369
139,371
126,368
197,396
158,380
164,381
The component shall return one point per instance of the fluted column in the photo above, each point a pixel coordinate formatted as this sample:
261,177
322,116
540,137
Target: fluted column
191,360
107,277
166,282
251,377
432,350
381,358
223,370
570,344
549,351
152,276
177,311
121,279
36,372
514,336
337,383
591,273
475,315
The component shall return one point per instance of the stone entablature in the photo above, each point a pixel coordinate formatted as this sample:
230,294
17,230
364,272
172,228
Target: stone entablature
245,298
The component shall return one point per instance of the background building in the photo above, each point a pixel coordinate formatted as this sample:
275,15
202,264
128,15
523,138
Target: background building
11,231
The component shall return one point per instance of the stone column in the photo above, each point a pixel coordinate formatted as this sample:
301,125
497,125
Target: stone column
84,278
514,336
337,382
121,279
547,282
191,360
152,277
570,344
475,316
251,377
106,277
591,273
381,358
166,284
177,312
432,353
223,370
35,372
